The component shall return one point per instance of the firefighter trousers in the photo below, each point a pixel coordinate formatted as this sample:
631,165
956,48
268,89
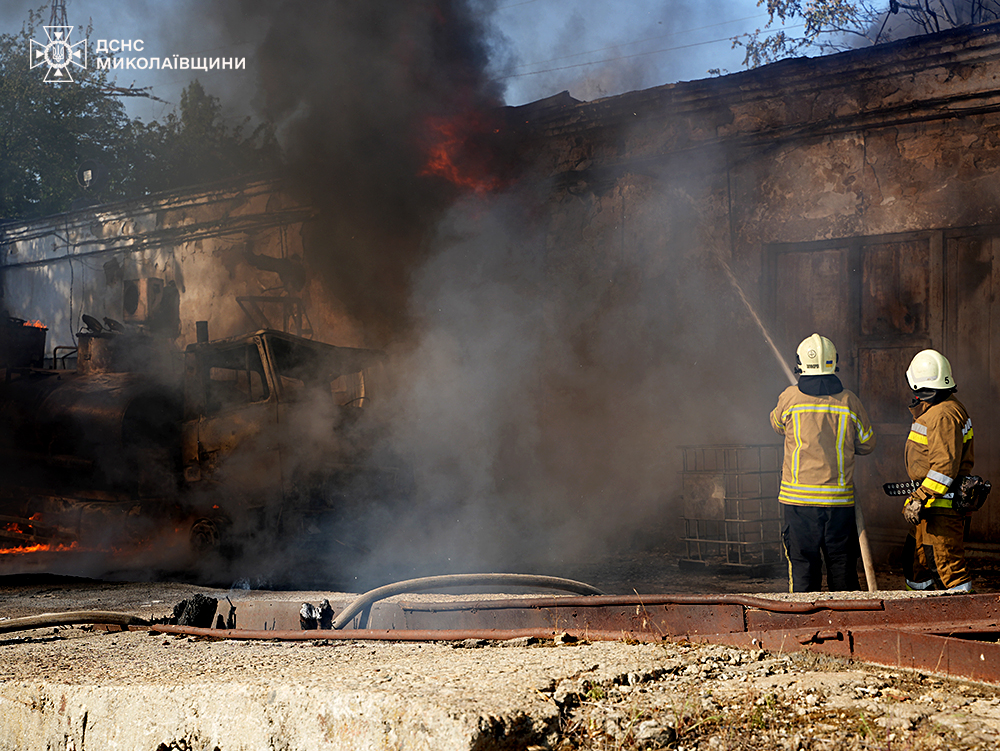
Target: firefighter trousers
812,534
939,550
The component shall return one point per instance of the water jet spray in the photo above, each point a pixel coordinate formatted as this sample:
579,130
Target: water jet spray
859,517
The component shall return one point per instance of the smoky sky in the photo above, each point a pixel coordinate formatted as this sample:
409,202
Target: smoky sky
592,51
589,48
355,90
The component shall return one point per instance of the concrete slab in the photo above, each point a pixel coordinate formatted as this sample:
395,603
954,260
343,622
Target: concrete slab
83,689
80,688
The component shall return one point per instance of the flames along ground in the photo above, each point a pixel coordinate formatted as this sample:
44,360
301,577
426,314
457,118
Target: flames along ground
163,458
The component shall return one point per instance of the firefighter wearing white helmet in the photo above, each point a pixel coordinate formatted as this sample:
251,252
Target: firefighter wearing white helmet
825,426
939,450
930,369
816,355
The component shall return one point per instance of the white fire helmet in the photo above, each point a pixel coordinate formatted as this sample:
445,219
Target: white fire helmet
929,369
816,356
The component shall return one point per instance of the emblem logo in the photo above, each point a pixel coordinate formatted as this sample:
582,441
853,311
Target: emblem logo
59,54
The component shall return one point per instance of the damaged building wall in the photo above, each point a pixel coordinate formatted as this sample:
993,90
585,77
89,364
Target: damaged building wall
231,255
852,195
855,195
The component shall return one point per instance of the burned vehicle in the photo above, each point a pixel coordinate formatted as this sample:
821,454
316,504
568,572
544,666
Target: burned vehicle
267,437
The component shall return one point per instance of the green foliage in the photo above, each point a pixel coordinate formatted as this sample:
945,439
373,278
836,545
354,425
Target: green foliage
48,129
796,27
195,146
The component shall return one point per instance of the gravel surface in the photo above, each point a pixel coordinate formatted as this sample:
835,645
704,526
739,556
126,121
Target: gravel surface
475,695
548,695
518,695
722,698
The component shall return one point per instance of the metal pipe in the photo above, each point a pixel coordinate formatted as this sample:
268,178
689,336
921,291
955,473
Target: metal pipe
366,634
750,601
459,580
70,618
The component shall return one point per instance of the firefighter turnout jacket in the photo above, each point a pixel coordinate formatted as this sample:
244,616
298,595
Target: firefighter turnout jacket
822,435
938,450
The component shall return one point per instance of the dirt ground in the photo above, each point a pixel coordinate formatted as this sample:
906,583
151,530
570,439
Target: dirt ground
719,698
601,697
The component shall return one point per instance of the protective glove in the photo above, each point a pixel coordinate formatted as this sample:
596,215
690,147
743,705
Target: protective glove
912,509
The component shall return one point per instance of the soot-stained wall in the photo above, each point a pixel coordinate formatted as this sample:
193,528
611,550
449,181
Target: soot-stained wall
854,195
232,255
568,333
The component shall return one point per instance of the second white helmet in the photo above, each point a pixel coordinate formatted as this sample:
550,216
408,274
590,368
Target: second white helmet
816,355
929,369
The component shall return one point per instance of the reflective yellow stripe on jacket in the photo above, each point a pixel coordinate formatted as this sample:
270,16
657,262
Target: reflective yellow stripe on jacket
839,427
937,486
815,495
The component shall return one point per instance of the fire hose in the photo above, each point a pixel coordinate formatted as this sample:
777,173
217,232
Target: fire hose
592,597
459,580
361,602
70,618
541,633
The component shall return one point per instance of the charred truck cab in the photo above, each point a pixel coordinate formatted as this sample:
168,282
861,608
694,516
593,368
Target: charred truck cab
264,437
277,432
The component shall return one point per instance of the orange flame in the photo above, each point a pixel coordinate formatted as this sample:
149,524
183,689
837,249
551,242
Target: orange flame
39,549
448,154
36,325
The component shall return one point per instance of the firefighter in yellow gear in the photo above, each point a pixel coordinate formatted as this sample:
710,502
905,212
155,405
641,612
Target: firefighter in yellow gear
939,450
825,426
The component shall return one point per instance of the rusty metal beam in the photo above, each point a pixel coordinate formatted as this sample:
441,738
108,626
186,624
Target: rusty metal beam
368,634
930,652
954,636
666,615
891,613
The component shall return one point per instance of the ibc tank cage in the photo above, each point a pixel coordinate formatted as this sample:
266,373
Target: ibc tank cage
732,519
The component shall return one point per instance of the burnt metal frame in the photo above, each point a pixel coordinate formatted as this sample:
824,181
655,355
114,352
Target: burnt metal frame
292,311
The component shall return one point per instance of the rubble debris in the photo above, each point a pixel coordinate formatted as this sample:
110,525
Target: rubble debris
198,611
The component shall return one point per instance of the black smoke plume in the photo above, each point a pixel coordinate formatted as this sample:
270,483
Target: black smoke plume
356,89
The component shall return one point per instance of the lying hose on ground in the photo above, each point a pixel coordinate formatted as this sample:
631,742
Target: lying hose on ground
70,618
459,580
364,601
79,617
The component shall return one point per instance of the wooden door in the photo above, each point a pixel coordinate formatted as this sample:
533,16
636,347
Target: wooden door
973,273
899,314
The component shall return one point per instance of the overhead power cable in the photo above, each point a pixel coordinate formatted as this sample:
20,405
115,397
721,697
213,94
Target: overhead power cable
625,57
640,41
515,5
